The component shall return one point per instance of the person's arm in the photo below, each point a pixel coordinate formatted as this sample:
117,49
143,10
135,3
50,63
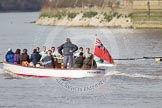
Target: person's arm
75,48
42,60
60,49
39,57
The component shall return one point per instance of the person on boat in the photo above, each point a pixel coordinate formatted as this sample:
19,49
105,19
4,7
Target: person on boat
58,59
48,61
9,56
35,57
53,51
68,49
17,56
89,62
38,49
43,53
57,54
76,54
87,53
24,58
78,62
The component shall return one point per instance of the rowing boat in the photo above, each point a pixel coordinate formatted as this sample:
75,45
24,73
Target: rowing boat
46,73
99,51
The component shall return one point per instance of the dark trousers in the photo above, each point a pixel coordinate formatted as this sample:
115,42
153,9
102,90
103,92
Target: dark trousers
68,59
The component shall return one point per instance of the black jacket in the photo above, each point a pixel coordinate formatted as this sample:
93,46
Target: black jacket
68,49
35,58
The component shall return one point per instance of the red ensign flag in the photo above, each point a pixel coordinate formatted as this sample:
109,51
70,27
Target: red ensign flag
101,52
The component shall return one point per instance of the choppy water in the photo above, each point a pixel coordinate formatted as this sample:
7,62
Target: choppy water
131,84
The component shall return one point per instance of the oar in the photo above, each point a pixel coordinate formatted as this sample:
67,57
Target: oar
156,58
152,57
129,59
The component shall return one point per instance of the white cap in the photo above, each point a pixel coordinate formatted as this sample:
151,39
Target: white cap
9,49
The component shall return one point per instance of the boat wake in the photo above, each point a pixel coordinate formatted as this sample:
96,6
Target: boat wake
134,75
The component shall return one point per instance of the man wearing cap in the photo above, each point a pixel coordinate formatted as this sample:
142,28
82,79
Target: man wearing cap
68,49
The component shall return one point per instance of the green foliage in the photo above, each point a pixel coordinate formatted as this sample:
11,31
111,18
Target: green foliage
108,17
72,15
58,15
45,14
115,14
90,14
130,15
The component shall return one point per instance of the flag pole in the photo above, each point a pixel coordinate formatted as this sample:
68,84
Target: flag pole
93,53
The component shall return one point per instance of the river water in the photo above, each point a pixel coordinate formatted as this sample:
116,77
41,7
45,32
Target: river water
129,84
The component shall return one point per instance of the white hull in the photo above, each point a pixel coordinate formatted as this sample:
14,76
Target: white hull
104,65
61,73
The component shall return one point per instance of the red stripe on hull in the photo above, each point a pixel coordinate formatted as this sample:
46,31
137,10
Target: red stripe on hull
25,75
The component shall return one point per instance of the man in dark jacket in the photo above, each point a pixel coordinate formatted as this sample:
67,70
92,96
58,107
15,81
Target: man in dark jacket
35,57
68,49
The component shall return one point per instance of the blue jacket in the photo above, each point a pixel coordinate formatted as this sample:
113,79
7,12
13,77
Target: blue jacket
9,57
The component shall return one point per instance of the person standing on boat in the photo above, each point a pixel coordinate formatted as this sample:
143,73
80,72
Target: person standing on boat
17,56
68,49
48,61
24,58
78,62
9,56
43,53
35,57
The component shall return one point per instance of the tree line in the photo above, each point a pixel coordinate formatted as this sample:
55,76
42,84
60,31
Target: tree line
35,5
20,5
